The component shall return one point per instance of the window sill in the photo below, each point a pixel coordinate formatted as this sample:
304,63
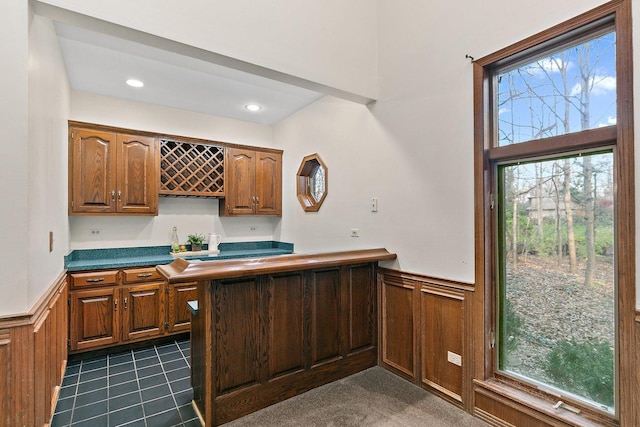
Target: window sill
537,407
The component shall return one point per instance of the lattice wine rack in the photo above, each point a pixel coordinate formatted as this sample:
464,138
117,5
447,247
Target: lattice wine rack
191,169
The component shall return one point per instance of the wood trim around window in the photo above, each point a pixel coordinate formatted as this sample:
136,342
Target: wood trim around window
623,134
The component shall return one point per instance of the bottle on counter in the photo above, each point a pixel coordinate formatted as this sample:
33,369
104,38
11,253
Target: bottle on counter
175,242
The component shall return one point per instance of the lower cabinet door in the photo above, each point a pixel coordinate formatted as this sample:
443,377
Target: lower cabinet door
95,315
143,314
179,315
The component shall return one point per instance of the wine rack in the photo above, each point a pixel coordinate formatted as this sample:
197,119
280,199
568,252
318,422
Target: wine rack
191,169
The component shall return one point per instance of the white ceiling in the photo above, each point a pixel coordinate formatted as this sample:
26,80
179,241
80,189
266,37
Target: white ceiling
100,63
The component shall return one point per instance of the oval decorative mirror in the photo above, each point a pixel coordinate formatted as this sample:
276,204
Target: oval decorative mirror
312,183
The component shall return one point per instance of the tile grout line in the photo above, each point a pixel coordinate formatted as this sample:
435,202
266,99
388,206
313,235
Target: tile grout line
135,369
188,362
175,403
75,394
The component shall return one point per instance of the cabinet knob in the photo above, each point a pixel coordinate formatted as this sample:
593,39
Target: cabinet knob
113,195
115,304
142,275
119,196
125,303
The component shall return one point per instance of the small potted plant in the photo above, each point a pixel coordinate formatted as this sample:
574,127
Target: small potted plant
196,242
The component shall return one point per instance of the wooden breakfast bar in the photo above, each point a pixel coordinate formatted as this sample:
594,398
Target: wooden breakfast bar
267,329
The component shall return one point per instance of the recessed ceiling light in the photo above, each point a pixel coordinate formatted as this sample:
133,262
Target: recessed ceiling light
252,107
135,83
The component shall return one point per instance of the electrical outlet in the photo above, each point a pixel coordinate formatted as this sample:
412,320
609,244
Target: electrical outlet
454,358
95,232
355,232
252,228
374,204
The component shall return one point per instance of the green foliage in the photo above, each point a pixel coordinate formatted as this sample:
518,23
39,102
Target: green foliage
604,240
585,369
512,327
195,239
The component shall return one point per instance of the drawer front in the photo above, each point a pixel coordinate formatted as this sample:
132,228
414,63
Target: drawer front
94,278
142,275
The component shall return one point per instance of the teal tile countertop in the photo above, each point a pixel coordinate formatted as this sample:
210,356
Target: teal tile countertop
96,259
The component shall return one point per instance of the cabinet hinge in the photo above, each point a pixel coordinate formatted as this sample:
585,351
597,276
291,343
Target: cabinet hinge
72,203
166,289
68,343
492,201
166,326
492,339
69,301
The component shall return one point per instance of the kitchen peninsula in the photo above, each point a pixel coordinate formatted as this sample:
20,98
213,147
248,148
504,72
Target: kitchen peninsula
267,329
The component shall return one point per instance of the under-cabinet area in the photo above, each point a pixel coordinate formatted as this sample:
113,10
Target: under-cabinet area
113,307
115,171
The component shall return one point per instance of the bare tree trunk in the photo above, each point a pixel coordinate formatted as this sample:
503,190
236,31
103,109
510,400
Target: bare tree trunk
558,223
589,207
586,82
515,227
539,195
568,206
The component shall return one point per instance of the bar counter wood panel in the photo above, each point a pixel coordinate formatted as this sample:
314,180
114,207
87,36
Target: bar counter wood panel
271,328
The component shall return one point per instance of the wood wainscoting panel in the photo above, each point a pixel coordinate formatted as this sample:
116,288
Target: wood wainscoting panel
286,324
441,339
362,307
424,321
398,344
326,305
5,375
33,357
237,357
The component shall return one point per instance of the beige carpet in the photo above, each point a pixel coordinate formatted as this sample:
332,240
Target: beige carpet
373,397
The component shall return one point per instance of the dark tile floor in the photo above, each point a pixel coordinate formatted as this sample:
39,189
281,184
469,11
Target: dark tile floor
148,387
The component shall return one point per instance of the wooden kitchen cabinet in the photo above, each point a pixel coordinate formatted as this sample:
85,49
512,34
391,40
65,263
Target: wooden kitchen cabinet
178,311
143,311
254,183
94,319
114,307
112,173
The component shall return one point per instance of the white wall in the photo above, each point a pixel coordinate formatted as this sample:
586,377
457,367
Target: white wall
14,190
414,149
303,38
47,164
188,215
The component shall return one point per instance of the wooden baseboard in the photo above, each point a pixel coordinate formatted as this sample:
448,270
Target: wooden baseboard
33,356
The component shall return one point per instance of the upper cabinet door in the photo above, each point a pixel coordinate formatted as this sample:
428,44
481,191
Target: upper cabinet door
93,172
253,184
268,184
112,174
137,175
240,191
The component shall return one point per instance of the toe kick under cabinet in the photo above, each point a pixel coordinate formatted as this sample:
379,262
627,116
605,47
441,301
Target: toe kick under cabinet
114,307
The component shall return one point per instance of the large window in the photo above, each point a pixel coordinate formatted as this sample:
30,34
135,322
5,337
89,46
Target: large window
555,241
555,179
556,282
